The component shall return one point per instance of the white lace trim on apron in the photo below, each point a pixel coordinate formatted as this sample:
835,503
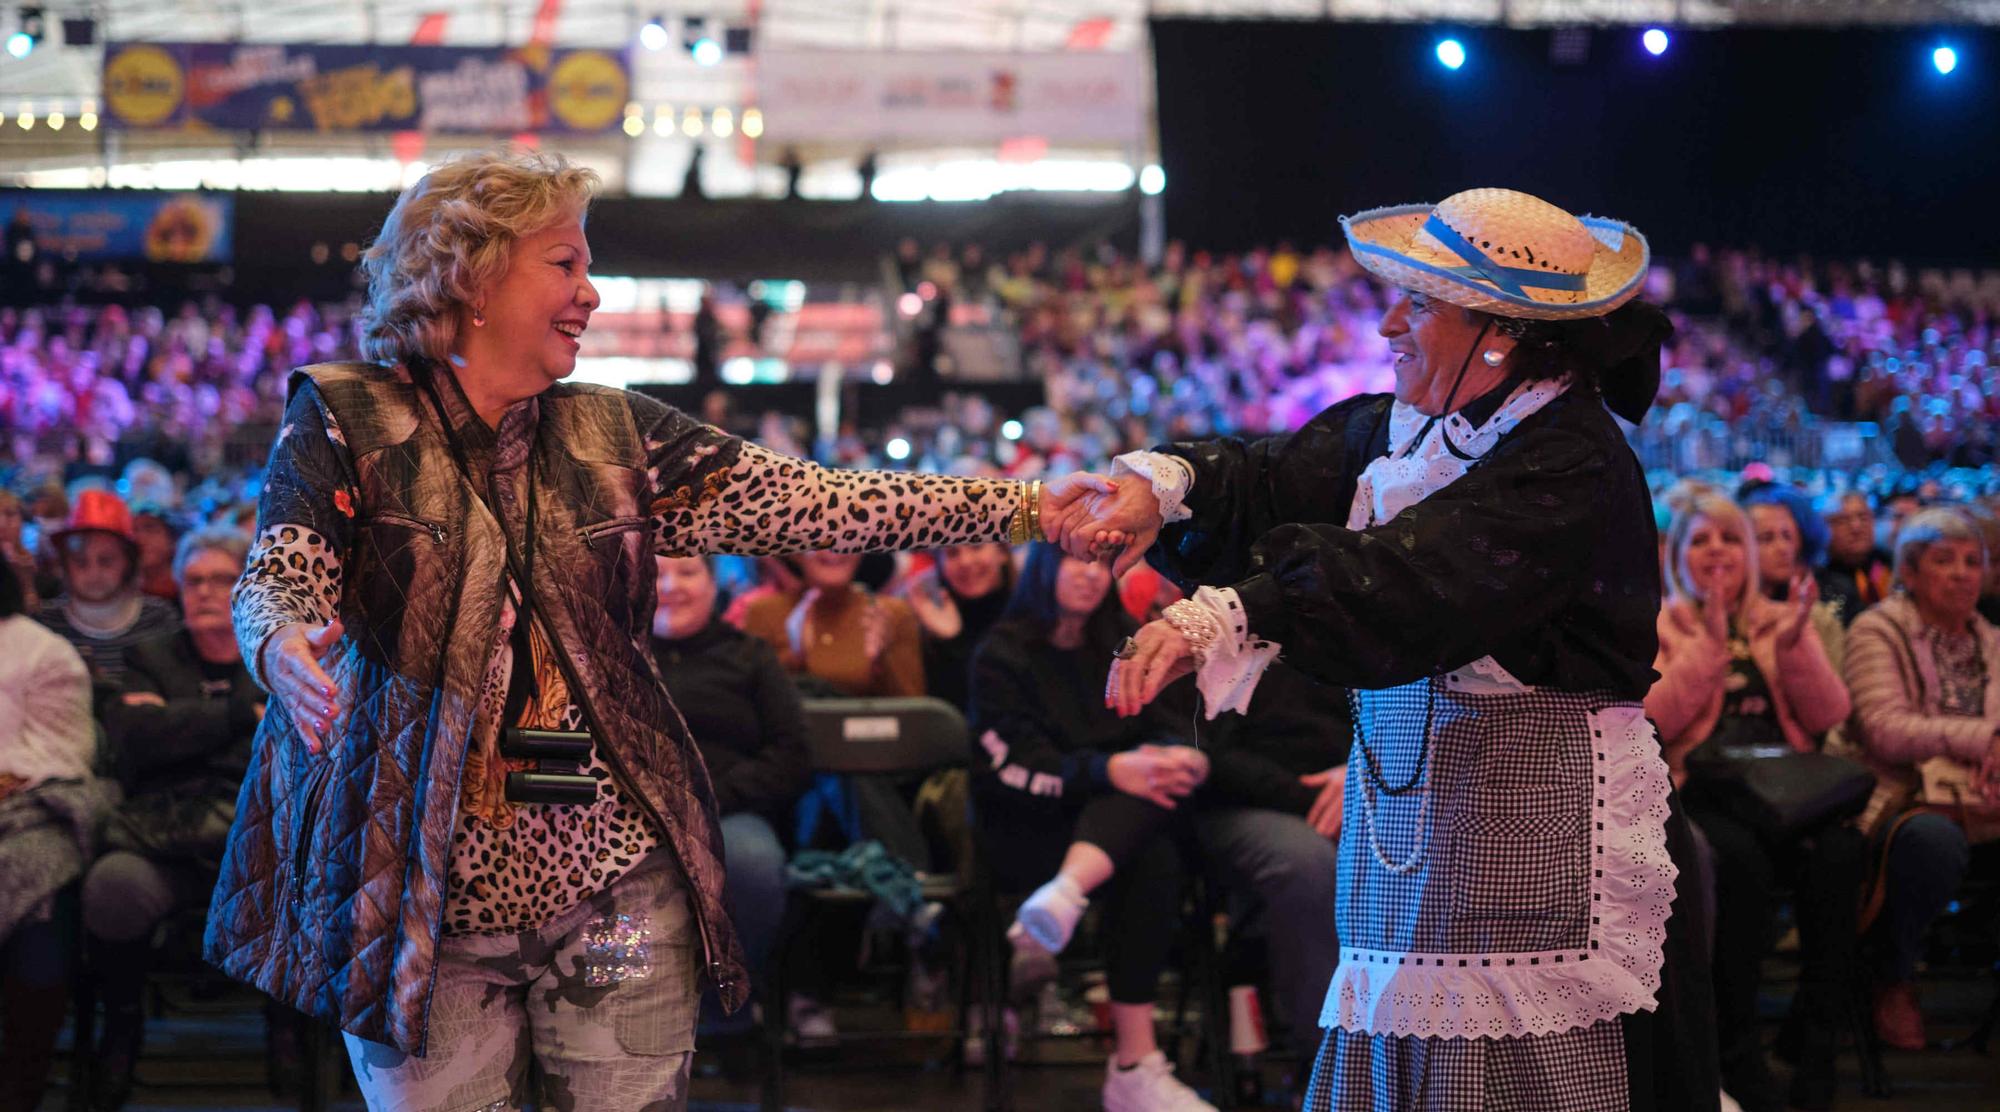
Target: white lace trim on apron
1617,971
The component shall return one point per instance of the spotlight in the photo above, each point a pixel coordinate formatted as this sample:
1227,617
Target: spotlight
1152,181
33,25
1450,53
706,51
753,122
1011,430
1944,58
1655,41
653,36
899,449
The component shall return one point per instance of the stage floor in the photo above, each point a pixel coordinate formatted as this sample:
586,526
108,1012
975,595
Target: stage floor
209,1055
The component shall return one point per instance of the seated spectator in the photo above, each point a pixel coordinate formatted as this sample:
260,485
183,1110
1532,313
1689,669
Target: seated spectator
49,809
1989,528
1741,674
1925,671
839,632
747,720
837,637
1856,574
1064,787
13,516
1268,826
956,604
180,730
1790,542
154,533
101,610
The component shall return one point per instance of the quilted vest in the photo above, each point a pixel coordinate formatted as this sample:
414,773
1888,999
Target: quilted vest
333,885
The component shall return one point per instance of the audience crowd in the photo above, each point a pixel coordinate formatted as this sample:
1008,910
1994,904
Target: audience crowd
1812,608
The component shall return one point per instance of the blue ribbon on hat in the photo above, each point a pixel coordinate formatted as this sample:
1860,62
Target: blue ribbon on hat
1508,278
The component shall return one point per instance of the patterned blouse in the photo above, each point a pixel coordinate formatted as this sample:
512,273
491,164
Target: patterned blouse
517,866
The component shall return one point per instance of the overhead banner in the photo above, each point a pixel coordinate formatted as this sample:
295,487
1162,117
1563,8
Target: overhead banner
975,97
266,86
117,225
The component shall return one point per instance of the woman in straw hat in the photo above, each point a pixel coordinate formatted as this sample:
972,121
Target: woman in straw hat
1476,556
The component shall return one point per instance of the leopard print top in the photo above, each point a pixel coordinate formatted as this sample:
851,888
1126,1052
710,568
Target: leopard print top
516,867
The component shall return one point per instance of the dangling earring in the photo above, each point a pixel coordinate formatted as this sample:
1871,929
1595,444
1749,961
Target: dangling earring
479,320
1493,357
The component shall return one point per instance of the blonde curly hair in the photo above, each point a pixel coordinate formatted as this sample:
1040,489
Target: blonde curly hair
449,236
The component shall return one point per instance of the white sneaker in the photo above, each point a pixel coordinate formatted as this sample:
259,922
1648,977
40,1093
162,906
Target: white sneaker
811,1022
1149,1086
1051,914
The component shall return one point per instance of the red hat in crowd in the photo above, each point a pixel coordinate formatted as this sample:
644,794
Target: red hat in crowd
99,511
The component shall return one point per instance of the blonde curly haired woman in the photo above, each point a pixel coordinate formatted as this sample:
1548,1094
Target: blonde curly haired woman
475,833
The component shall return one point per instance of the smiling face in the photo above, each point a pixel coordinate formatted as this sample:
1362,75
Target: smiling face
534,313
1715,559
829,571
1777,544
975,570
686,595
1432,339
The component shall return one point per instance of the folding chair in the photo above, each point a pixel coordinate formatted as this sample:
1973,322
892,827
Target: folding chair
899,736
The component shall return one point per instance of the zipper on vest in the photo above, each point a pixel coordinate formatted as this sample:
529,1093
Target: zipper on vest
314,792
591,534
436,531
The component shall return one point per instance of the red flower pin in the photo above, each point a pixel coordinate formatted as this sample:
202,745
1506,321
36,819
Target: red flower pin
343,503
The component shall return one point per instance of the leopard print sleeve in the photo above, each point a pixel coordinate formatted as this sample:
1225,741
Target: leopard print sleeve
714,493
305,521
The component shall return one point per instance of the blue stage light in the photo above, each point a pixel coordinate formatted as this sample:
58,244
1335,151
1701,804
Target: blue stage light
1945,59
707,51
1655,41
20,44
1451,53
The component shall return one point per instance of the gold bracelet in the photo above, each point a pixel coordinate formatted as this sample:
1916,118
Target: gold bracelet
1035,512
1017,525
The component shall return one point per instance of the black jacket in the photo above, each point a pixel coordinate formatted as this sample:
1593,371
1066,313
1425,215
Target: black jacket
1544,555
1294,726
181,764
1039,723
200,741
745,714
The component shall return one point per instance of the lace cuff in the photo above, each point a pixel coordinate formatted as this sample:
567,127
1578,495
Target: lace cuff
1170,477
1228,672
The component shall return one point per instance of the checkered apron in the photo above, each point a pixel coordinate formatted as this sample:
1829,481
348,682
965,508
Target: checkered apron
1488,944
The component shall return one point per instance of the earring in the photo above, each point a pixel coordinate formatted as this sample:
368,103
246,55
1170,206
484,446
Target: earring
1494,357
479,320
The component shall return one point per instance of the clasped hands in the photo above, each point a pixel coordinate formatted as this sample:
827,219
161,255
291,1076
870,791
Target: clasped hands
1092,517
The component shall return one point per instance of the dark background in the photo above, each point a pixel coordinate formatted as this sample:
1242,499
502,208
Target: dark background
1839,143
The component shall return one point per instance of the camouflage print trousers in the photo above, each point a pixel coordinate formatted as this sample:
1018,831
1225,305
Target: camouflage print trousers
595,1012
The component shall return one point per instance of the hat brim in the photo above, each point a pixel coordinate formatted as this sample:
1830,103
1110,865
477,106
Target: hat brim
1380,237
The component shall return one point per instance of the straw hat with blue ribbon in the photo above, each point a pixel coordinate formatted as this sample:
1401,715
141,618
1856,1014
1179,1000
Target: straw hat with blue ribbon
1503,252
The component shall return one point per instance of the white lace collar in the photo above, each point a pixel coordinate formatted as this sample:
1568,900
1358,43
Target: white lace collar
1412,472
